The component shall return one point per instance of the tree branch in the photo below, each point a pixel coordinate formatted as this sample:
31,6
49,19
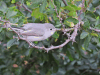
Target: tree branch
71,38
64,2
81,11
58,15
43,48
25,7
97,30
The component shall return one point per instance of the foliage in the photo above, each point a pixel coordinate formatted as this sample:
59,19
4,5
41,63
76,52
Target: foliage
80,58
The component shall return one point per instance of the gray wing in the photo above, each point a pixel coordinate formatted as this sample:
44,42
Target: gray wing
31,26
33,32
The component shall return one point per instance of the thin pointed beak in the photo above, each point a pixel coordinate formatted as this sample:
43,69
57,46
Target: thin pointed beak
55,29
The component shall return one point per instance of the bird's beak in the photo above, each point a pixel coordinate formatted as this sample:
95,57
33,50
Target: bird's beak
55,29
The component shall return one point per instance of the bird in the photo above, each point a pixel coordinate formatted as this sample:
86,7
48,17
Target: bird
36,31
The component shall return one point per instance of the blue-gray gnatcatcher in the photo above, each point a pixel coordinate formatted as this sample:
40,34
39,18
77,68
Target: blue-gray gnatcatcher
36,31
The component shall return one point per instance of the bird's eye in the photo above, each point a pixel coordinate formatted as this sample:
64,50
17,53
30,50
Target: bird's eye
50,29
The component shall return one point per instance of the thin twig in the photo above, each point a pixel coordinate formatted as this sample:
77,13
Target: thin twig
26,8
97,30
58,14
98,7
65,30
81,11
64,2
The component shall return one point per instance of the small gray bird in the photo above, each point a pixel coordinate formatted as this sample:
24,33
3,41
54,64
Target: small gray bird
36,31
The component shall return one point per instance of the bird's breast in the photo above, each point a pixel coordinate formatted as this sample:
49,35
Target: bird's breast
34,38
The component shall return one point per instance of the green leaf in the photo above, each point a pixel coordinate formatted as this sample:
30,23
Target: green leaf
83,67
94,34
86,42
95,2
61,71
72,13
37,14
70,19
18,71
12,42
3,7
77,71
69,8
7,73
57,3
2,66
91,17
68,53
43,5
83,35
55,35
51,4
9,34
10,14
28,52
13,1
75,7
97,18
97,22
2,57
86,24
70,67
0,29
78,48
28,3
55,67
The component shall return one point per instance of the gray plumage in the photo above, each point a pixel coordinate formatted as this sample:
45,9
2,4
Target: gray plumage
36,31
